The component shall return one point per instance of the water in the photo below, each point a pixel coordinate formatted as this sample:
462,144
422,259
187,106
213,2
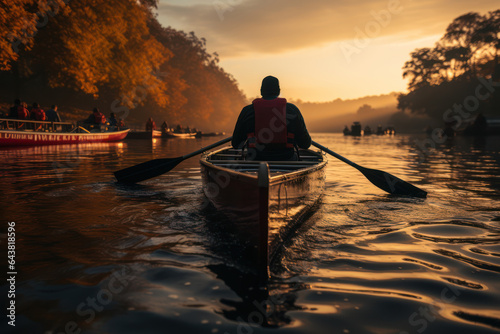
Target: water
96,257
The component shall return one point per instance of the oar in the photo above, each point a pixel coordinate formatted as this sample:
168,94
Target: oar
381,179
153,168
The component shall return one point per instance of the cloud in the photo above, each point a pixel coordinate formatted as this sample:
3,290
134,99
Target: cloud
236,28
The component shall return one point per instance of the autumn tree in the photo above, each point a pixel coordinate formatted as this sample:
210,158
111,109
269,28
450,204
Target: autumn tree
20,21
115,54
212,96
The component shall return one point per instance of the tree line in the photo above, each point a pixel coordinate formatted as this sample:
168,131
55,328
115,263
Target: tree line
462,64
116,55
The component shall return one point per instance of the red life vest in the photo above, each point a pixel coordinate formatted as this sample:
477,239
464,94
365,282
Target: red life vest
22,113
99,118
38,114
150,125
270,124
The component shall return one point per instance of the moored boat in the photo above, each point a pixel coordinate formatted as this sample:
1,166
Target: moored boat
173,134
200,134
15,132
264,201
144,134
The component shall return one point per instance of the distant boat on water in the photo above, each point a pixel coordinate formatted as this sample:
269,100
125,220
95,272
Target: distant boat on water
355,130
200,134
144,134
174,134
482,126
367,131
16,132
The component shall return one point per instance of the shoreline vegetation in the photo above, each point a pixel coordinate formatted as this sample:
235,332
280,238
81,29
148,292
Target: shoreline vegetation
458,79
116,56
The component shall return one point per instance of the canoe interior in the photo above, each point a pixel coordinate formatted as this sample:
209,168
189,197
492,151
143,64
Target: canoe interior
295,188
233,159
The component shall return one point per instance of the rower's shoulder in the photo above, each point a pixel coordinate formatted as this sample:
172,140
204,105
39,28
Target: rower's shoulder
292,107
247,110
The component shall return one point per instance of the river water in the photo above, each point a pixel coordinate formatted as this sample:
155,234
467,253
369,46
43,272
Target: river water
93,256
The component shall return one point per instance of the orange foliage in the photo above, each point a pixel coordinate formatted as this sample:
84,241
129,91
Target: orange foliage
117,51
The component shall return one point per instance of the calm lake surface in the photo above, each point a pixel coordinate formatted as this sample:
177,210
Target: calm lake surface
96,257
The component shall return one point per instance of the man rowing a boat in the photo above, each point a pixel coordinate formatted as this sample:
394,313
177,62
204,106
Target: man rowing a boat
270,127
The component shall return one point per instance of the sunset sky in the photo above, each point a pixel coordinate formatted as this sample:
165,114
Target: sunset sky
319,49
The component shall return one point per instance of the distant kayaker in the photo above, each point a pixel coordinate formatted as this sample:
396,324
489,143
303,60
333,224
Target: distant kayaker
150,124
52,114
270,126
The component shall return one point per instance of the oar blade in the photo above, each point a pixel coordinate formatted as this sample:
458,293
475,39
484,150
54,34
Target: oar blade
391,183
146,170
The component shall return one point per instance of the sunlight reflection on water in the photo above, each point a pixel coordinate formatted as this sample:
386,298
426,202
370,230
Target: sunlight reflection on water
364,262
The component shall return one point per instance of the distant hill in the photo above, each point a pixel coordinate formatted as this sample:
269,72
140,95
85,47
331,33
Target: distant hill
334,115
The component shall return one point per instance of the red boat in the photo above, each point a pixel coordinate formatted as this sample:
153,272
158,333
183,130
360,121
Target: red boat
32,133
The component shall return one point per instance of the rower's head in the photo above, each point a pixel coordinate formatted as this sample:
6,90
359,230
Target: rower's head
17,102
270,87
96,110
35,105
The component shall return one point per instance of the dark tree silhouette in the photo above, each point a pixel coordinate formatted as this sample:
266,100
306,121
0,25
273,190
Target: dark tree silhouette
443,76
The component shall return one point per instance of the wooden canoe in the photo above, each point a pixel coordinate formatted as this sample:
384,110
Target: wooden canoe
264,202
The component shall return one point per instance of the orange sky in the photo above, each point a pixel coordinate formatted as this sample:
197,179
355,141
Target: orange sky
320,49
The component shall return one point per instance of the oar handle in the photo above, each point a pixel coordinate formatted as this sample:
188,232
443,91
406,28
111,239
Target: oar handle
338,156
209,147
